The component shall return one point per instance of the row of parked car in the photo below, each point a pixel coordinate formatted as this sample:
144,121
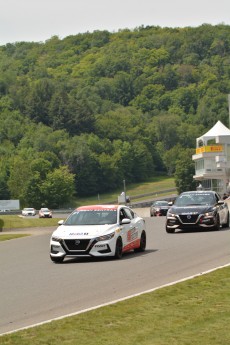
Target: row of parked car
193,210
44,212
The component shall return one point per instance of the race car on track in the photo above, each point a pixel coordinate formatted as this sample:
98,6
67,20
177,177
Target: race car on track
45,213
98,231
28,211
159,208
196,210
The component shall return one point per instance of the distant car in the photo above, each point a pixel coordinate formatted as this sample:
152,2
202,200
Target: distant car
196,210
45,213
159,208
28,211
98,231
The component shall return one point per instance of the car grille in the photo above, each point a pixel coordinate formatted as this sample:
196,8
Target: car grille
76,244
164,211
189,218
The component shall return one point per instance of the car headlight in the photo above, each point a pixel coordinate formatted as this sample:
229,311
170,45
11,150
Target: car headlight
169,214
157,209
56,239
105,237
209,214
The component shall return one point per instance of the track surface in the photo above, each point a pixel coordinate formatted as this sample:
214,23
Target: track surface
33,289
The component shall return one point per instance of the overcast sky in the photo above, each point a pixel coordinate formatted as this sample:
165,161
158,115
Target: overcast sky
39,20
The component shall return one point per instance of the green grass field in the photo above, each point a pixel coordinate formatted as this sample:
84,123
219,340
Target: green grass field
153,185
194,312
16,221
6,237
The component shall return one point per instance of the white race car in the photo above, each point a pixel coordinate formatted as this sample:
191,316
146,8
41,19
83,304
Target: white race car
28,211
99,231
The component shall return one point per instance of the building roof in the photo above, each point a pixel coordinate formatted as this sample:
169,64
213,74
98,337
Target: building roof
218,130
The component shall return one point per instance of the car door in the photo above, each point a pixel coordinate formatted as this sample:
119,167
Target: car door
223,213
124,227
222,209
129,231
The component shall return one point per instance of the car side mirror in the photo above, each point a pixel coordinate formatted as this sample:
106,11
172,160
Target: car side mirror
126,221
61,222
220,202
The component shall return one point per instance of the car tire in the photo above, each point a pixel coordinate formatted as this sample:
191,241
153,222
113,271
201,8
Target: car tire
142,243
226,225
118,249
217,226
169,230
57,259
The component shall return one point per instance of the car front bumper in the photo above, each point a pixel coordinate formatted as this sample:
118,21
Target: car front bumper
68,248
198,222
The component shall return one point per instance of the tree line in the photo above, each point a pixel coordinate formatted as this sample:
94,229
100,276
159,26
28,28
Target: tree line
81,114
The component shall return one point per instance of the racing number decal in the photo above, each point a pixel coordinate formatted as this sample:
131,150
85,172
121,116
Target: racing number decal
132,234
132,240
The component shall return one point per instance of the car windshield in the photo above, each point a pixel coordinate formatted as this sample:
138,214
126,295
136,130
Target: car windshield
28,209
44,209
92,217
195,199
161,203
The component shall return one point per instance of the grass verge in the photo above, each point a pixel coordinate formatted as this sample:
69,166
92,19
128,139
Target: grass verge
194,312
6,237
15,221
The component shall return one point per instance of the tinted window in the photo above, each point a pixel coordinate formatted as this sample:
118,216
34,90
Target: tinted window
195,199
129,213
122,214
160,203
92,217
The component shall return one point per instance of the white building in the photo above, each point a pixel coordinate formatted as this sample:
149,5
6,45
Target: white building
212,159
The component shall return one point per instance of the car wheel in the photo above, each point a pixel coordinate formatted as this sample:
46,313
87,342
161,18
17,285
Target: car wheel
142,243
57,259
118,249
217,226
226,225
169,230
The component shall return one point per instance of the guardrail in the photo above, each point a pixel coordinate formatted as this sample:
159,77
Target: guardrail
156,193
148,203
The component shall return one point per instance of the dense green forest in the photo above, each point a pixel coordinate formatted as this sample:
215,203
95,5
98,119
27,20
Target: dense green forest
80,114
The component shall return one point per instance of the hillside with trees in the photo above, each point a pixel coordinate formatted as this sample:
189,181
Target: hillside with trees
80,114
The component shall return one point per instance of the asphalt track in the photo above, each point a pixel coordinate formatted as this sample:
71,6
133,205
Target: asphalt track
34,290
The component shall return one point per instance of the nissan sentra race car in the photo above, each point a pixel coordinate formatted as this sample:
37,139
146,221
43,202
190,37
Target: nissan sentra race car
196,210
45,213
98,231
